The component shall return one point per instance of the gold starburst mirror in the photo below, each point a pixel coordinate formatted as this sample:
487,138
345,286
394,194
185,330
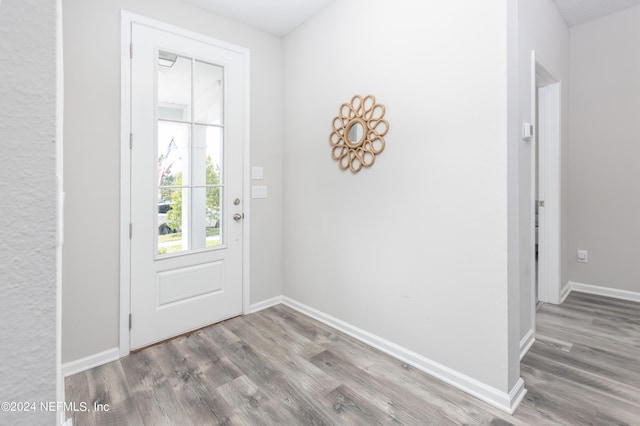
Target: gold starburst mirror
358,133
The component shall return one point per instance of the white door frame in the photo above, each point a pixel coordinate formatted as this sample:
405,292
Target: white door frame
127,20
549,134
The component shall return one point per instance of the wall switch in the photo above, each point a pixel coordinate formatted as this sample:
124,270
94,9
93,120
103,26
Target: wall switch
257,172
582,256
259,191
527,131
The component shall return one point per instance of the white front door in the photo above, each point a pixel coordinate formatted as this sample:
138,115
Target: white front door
187,106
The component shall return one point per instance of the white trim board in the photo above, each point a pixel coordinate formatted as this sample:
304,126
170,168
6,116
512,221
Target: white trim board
615,293
89,362
507,402
59,153
526,342
566,290
125,182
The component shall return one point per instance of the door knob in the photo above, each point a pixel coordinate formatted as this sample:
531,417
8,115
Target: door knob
237,217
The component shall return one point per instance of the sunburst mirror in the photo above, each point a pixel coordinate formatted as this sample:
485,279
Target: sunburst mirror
358,133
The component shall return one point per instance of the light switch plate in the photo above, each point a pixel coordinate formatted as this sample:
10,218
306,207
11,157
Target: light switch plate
259,191
527,131
257,172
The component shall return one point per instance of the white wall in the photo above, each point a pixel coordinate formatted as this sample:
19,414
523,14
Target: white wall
541,28
413,250
28,269
605,153
92,160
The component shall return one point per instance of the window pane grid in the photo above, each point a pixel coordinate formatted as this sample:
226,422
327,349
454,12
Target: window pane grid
189,186
195,123
190,145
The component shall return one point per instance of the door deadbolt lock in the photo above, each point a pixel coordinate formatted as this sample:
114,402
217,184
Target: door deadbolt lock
236,201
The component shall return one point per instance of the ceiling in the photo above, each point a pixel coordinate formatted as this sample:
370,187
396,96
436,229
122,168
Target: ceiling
279,17
276,17
577,12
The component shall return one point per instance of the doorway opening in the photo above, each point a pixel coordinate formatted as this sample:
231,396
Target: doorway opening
545,197
545,206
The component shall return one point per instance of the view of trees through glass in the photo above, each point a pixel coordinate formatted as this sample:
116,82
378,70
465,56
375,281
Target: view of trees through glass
190,132
170,208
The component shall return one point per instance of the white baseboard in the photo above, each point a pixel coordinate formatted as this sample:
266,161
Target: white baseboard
265,304
566,290
526,342
604,291
507,402
86,363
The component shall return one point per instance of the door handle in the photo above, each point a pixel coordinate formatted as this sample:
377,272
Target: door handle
237,217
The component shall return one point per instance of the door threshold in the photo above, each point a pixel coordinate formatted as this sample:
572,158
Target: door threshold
135,351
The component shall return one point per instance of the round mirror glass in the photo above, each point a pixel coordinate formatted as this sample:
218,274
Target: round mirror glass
355,133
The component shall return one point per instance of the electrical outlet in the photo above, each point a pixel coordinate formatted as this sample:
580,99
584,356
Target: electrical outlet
582,256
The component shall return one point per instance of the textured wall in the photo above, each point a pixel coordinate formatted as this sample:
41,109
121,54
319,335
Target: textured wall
27,187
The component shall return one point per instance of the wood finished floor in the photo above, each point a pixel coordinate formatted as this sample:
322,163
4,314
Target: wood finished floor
280,367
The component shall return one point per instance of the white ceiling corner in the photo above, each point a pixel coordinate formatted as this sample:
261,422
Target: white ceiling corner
277,17
576,12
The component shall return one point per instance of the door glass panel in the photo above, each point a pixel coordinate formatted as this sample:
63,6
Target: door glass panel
207,81
173,174
174,87
189,156
170,220
173,152
209,140
214,216
207,217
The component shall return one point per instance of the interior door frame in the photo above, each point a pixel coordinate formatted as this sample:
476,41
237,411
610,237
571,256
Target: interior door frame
127,20
548,110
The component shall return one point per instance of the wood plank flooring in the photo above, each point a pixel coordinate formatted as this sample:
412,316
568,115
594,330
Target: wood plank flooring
280,367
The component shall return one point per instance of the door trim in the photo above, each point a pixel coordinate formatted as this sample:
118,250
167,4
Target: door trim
127,20
530,335
549,125
549,288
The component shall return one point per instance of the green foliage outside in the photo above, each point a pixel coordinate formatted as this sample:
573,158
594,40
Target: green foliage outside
174,216
175,241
